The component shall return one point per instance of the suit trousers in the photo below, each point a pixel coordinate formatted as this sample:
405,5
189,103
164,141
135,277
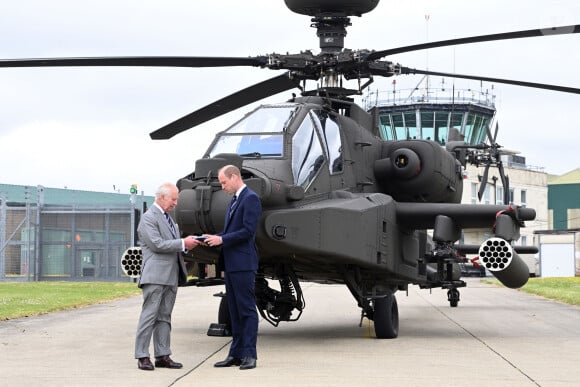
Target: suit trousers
240,291
155,320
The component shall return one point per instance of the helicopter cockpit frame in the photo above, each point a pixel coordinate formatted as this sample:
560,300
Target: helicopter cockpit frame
309,136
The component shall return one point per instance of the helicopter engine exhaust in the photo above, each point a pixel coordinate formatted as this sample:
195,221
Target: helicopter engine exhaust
499,257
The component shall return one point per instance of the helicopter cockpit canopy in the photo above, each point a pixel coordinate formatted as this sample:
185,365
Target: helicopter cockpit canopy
318,135
259,134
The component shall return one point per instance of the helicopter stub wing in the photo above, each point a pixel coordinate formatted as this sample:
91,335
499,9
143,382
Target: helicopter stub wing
423,215
474,249
447,220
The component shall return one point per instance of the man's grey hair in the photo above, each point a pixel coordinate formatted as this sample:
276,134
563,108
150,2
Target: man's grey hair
164,190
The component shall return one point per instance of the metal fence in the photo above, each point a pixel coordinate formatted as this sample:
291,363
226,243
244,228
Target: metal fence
76,243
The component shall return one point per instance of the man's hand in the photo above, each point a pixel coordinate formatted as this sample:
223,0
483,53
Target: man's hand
190,242
213,240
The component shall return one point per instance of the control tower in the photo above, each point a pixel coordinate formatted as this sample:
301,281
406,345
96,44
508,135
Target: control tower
440,113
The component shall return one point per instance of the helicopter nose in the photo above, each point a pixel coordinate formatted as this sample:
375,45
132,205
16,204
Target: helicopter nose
201,209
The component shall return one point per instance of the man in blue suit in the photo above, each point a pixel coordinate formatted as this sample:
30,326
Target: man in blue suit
239,260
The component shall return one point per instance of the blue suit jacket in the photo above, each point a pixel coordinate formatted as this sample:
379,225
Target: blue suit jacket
239,236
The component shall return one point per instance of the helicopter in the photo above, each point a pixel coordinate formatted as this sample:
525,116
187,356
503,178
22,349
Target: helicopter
340,204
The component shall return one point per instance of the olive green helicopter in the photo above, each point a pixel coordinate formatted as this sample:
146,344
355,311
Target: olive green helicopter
341,205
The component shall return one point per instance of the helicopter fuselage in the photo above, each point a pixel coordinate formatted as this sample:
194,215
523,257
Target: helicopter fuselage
323,206
340,205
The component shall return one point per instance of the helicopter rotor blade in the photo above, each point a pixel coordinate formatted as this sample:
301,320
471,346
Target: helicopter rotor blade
504,183
571,29
564,89
488,132
137,61
506,190
227,104
483,181
492,138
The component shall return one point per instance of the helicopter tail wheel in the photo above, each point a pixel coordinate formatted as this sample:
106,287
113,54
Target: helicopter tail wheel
386,317
453,297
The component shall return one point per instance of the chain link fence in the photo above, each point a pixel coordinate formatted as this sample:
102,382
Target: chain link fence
77,243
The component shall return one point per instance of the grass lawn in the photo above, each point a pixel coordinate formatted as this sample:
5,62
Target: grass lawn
23,299
560,289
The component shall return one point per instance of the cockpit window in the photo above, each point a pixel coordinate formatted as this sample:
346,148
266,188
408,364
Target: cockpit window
332,139
259,134
307,154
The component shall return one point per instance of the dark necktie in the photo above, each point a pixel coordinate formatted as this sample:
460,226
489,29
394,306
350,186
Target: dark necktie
231,209
233,204
171,226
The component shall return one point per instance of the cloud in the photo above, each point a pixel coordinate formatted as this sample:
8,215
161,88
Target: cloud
88,128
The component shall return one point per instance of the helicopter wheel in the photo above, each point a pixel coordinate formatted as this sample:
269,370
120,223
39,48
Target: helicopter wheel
453,297
386,317
224,314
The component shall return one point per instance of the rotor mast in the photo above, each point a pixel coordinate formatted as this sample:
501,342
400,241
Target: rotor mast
331,30
330,18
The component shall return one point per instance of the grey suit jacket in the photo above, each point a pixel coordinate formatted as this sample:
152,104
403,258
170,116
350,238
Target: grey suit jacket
162,260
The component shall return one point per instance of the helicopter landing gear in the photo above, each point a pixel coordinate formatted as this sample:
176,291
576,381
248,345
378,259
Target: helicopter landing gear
224,314
453,297
386,316
280,305
224,325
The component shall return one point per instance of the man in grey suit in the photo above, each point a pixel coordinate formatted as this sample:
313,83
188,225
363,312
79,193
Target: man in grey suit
163,270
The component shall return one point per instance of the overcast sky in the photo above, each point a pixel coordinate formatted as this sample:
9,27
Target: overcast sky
88,128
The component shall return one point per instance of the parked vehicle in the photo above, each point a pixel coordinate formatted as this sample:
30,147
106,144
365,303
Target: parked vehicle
471,270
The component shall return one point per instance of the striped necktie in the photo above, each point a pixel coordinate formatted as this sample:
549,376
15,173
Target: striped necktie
231,209
233,204
171,226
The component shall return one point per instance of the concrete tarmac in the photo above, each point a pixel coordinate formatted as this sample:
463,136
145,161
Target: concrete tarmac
497,337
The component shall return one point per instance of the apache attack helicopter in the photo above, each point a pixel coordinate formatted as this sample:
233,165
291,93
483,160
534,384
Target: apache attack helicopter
341,205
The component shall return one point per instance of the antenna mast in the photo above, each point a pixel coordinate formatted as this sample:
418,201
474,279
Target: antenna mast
427,17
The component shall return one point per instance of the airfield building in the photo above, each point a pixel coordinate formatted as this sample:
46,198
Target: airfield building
63,234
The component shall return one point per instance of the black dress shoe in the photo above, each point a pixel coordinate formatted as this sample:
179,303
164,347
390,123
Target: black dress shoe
145,364
230,361
166,362
248,363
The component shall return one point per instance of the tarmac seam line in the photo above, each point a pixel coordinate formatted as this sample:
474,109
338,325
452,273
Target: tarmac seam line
481,341
201,363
